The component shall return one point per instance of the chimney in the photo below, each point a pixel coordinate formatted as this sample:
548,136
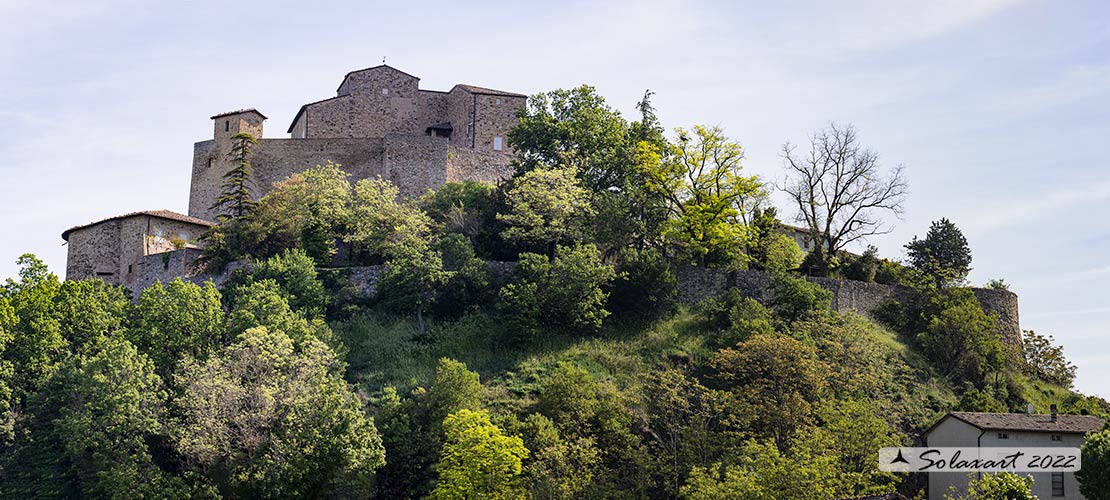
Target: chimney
1053,408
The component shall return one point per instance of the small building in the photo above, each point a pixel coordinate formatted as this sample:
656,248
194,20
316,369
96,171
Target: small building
119,249
967,429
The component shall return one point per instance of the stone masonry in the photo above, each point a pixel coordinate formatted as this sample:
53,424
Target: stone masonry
380,123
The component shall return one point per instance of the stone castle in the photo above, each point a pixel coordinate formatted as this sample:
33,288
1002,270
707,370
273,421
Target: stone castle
379,124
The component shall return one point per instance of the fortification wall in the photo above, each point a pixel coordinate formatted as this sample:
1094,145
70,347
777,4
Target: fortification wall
470,164
94,251
415,163
696,284
276,159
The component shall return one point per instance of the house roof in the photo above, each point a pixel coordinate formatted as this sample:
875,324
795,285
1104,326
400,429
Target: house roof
484,91
161,214
240,111
1065,424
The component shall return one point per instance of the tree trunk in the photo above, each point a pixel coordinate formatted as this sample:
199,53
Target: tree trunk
420,320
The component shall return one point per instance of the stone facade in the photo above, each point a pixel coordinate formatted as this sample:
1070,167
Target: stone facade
379,124
117,249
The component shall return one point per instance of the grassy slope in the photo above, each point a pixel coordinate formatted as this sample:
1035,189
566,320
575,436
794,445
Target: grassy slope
384,352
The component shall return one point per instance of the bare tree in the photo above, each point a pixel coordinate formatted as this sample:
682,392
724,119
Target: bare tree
840,191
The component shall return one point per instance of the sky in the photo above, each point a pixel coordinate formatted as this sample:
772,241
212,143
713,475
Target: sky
998,109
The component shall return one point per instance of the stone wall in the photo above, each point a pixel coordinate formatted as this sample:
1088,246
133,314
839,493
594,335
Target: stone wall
697,284
415,163
471,164
112,250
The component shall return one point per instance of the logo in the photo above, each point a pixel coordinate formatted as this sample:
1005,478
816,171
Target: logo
954,459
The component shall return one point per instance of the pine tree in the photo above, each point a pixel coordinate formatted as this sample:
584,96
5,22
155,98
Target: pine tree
235,200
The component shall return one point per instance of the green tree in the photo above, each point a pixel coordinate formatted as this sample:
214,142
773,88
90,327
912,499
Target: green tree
1045,360
779,377
455,388
646,287
262,303
703,187
478,461
575,130
264,420
943,255
36,343
546,207
414,278
560,468
88,309
796,299
763,472
379,222
684,420
295,273
235,198
1094,477
962,343
864,267
1000,486
177,319
566,293
468,208
110,402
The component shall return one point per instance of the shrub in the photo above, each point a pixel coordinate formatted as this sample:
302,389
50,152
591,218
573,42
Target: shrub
796,299
863,268
564,294
646,287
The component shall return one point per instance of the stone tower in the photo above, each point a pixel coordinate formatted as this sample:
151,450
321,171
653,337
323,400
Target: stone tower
226,125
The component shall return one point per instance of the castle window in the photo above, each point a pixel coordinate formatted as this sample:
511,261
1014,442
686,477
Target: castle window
385,91
129,269
498,144
1057,484
1056,437
497,101
1003,435
227,125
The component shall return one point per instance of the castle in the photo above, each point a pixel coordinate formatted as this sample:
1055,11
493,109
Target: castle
379,124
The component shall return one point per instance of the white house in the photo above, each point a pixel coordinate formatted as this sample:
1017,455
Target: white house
966,429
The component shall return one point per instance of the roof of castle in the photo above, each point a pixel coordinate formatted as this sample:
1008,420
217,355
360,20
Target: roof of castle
240,111
161,214
1071,424
473,89
380,66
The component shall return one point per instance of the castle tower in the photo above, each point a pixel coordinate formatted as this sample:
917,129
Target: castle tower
226,125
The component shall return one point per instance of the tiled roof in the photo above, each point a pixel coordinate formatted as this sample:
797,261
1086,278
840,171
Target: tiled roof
238,111
162,214
484,91
1031,423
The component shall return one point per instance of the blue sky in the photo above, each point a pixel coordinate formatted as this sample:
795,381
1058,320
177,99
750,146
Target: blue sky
999,109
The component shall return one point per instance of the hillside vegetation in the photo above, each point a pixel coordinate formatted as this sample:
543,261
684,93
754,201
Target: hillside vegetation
578,376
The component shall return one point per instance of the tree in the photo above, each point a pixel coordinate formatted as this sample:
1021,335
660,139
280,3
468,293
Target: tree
646,287
379,222
262,303
796,299
943,255
110,402
683,423
764,472
264,420
547,207
864,267
566,293
1000,486
839,190
295,274
703,187
560,468
414,277
36,343
1094,477
478,461
781,378
88,309
1045,360
574,130
962,343
235,199
177,319
455,388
